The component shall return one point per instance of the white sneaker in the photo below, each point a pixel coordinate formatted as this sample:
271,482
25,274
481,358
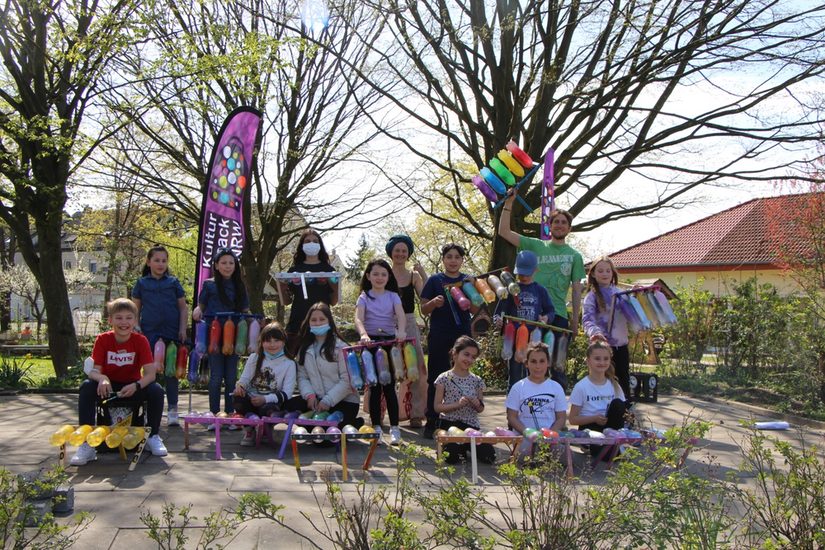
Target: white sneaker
395,435
211,427
248,437
84,454
233,427
155,444
172,418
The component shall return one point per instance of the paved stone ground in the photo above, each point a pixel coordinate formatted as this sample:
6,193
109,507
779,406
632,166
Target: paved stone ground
116,496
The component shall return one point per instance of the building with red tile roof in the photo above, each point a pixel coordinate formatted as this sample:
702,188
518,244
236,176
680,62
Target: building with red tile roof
730,246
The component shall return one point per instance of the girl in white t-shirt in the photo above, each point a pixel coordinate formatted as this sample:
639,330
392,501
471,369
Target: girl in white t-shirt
597,401
536,401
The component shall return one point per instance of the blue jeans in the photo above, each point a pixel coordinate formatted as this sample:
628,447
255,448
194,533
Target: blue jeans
222,368
517,372
153,395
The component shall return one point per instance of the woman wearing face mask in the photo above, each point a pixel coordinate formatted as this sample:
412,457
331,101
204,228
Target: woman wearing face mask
311,257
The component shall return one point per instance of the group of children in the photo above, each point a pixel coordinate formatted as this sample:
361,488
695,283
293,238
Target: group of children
124,366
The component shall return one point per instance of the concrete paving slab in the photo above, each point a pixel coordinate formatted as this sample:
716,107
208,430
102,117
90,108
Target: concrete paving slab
116,496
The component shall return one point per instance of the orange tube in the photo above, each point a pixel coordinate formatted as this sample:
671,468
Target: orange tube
229,337
214,336
522,337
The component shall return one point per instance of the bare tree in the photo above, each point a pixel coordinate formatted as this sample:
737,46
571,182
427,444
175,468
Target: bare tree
54,54
209,58
671,95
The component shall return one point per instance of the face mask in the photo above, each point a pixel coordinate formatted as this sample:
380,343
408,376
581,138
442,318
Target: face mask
311,249
319,330
268,355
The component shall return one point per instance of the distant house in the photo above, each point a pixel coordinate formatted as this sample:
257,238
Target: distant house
729,247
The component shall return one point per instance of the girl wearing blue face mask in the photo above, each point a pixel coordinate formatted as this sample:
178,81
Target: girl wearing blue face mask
323,381
268,379
310,257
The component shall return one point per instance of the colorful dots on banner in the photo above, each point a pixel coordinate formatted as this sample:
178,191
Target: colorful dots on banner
229,181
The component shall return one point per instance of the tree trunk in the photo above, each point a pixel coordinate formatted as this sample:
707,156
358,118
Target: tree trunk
255,282
63,345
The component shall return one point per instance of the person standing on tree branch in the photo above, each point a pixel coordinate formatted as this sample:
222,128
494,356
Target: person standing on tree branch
559,267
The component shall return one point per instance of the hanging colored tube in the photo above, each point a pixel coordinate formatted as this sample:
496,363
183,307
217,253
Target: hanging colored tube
397,360
241,334
471,293
460,298
370,376
171,360
214,336
159,353
485,290
522,337
508,341
354,370
497,286
228,337
201,340
382,365
411,361
535,335
254,333
549,340
182,362
665,305
510,282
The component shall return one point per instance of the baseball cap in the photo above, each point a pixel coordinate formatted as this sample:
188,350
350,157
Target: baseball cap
526,263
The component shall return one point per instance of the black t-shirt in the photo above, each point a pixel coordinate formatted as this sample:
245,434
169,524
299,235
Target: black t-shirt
318,290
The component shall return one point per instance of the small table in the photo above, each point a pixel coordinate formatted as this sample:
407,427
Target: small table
292,419
512,441
373,438
218,422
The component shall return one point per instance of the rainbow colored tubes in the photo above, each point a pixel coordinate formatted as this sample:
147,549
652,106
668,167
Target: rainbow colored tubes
214,336
522,337
382,365
485,290
510,282
471,293
201,340
228,337
508,341
493,181
502,172
535,335
254,333
397,361
497,286
460,298
411,360
182,362
485,189
522,157
171,360
241,334
159,353
354,370
370,376
511,163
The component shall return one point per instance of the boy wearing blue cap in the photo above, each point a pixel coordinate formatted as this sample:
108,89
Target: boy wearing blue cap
533,303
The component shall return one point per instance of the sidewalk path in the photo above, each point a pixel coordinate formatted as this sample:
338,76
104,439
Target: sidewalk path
116,496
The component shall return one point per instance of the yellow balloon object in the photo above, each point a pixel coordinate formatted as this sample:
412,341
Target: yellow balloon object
131,440
97,436
366,430
121,430
78,437
59,437
411,360
440,432
222,414
511,163
455,430
114,439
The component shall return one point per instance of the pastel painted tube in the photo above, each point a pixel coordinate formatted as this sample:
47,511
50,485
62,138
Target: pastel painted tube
511,163
640,313
370,375
493,181
497,286
471,293
460,299
648,309
508,341
502,172
485,290
665,305
485,189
